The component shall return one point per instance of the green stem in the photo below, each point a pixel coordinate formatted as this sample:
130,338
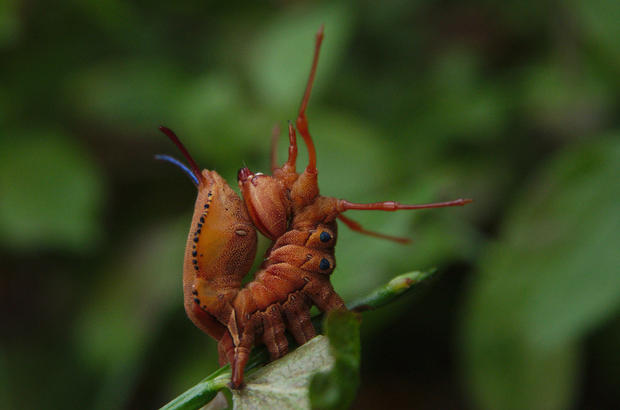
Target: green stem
391,291
203,392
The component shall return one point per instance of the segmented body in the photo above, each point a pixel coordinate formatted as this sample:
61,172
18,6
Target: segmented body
287,208
220,250
294,277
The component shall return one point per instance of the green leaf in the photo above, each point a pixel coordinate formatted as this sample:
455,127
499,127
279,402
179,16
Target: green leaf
551,278
126,306
328,366
131,94
335,389
396,287
557,100
598,22
461,102
201,393
10,24
283,384
50,193
283,52
346,352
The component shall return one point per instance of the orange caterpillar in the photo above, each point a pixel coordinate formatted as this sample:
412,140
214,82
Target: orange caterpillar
287,208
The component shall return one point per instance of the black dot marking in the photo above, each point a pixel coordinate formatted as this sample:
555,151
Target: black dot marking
194,261
209,194
199,225
202,219
197,301
194,292
207,205
324,264
325,237
194,253
196,239
195,267
198,231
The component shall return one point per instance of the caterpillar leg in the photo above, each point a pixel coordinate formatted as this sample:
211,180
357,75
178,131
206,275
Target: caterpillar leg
292,149
322,294
297,311
288,172
355,226
302,121
241,356
289,165
225,349
204,320
344,205
273,332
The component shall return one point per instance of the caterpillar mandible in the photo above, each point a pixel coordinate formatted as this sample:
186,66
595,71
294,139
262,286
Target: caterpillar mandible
287,208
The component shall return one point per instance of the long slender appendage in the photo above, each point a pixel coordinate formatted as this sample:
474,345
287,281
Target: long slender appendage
241,357
292,147
179,144
344,205
355,226
302,121
179,164
275,134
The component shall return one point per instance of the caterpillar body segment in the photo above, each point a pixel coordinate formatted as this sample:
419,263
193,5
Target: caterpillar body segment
220,250
294,276
287,208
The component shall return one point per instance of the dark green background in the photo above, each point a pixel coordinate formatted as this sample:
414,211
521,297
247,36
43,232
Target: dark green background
514,104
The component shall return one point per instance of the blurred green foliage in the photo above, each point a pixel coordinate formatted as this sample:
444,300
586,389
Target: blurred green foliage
513,104
340,352
336,388
552,277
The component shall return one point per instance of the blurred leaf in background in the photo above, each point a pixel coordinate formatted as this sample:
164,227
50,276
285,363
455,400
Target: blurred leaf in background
50,194
336,388
513,104
551,277
126,308
282,54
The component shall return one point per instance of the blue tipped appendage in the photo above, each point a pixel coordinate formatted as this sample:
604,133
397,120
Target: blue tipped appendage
179,164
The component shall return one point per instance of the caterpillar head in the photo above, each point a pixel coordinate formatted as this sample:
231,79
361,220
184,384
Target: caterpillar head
267,202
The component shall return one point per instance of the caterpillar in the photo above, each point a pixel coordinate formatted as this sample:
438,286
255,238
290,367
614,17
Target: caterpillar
287,208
